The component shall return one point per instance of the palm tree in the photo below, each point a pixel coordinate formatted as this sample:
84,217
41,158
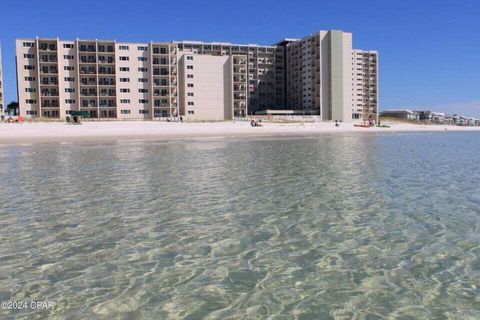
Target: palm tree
12,107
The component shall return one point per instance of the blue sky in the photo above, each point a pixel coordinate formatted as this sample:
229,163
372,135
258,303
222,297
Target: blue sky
429,50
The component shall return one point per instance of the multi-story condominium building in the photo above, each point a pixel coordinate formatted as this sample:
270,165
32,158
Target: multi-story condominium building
365,84
265,83
323,77
196,80
106,79
2,103
319,77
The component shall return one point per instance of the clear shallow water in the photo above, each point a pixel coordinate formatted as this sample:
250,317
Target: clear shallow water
330,227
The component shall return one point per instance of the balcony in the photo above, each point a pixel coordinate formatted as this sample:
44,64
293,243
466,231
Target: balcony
89,104
85,82
88,71
106,81
239,87
87,47
109,71
239,96
47,47
106,48
107,104
109,93
88,93
48,58
161,94
49,82
49,93
88,59
106,60
47,71
47,104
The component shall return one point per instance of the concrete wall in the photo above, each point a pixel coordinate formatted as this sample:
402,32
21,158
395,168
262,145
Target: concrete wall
134,74
341,79
205,95
23,85
228,84
68,90
325,79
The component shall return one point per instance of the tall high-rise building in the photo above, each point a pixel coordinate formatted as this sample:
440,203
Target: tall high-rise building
317,75
2,103
365,85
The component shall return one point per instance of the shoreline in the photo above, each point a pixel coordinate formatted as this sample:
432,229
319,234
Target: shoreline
44,132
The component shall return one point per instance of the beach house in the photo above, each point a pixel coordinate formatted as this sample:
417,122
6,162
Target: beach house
404,114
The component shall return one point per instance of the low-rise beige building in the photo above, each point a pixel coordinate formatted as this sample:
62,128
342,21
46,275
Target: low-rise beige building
315,75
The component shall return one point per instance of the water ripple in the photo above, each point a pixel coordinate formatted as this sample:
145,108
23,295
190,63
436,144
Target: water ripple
331,227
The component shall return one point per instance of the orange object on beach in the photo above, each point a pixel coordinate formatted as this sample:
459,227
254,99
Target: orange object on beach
20,119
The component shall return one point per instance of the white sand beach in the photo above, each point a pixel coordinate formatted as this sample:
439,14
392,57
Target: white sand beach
115,130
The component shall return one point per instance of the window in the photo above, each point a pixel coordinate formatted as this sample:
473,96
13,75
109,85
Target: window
143,90
123,47
142,59
68,57
190,85
124,69
142,111
190,94
143,101
68,68
29,67
29,78
124,79
125,111
124,100
189,58
142,48
69,90
30,101
30,90
190,112
142,80
28,44
31,112
190,103
28,56
69,101
189,67
190,76
142,69
124,58
124,90
68,45
69,79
